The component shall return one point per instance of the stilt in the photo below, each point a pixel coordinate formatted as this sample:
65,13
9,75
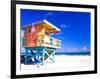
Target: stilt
40,56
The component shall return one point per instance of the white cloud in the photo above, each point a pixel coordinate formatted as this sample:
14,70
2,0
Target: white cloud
47,15
74,48
23,50
84,48
22,33
64,26
58,33
69,50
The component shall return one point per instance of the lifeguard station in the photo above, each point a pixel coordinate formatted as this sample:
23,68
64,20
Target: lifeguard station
38,43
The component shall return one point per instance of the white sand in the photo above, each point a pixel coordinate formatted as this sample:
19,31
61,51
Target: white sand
62,61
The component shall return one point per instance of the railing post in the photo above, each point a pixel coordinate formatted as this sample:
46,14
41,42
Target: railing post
26,62
43,54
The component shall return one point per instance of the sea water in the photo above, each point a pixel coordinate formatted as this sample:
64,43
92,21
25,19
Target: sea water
73,53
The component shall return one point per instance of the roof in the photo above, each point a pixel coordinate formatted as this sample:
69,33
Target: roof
46,24
50,26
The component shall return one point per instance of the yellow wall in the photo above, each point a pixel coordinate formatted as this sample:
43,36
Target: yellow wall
40,37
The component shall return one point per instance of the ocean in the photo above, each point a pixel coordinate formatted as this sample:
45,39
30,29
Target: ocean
73,53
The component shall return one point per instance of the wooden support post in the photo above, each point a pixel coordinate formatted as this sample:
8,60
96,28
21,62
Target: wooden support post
43,55
40,54
53,55
26,57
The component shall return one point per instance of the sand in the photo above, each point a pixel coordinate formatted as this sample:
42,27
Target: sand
62,61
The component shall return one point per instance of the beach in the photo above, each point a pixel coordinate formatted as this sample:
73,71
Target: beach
62,61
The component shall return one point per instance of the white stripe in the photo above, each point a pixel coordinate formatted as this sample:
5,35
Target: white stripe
52,25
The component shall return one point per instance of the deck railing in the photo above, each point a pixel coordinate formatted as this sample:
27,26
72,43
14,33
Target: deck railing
55,42
49,41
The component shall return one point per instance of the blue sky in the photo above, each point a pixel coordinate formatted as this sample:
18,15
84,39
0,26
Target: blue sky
75,26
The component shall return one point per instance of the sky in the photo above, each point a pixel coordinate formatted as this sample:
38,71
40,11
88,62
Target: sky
75,27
